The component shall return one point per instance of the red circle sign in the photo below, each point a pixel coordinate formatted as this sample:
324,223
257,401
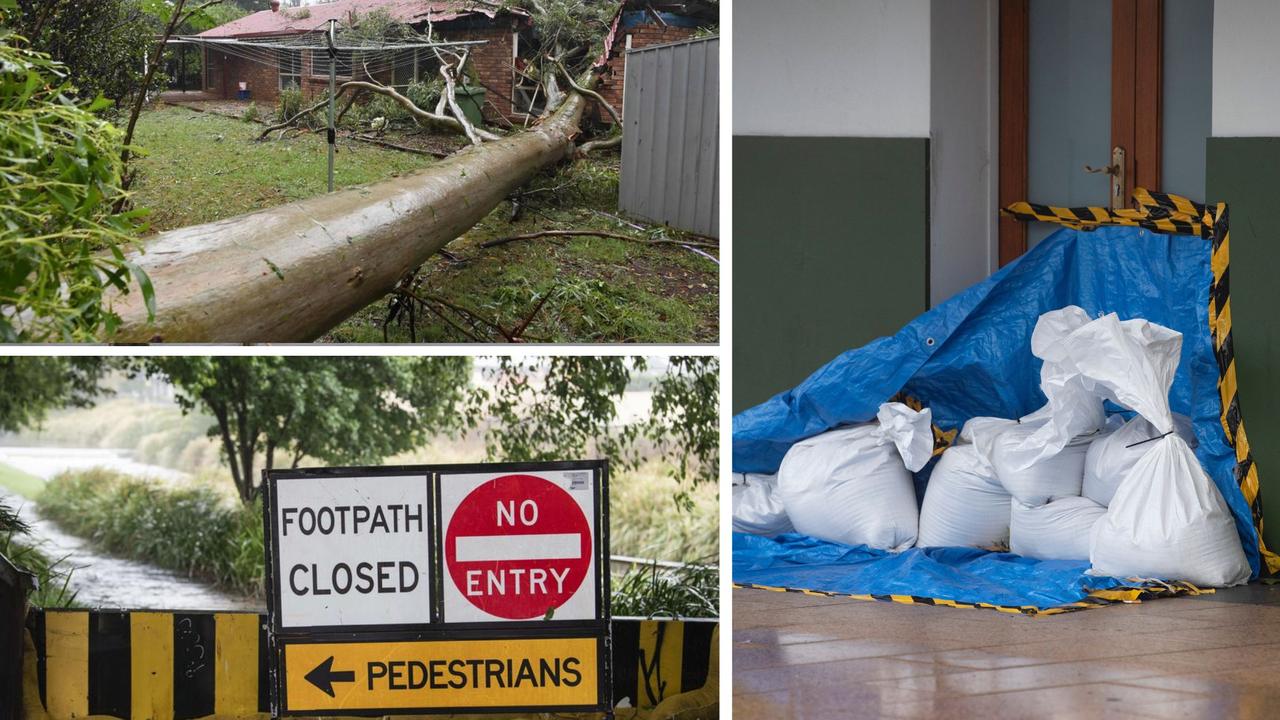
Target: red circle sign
518,546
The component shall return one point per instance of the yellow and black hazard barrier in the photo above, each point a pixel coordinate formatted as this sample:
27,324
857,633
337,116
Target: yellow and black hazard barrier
1095,598
1165,213
184,665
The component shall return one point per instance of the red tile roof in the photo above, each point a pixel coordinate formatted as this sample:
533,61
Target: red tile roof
291,21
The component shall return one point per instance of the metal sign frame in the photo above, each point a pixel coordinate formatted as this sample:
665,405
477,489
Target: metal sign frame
597,628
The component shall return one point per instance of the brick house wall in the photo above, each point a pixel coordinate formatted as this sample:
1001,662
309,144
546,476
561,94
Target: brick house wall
492,66
224,73
610,86
490,62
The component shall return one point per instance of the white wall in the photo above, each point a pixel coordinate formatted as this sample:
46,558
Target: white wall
1246,60
964,102
831,68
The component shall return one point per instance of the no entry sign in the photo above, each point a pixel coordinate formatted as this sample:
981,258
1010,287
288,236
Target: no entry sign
519,546
352,551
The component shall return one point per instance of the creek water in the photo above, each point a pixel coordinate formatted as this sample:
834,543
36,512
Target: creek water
101,580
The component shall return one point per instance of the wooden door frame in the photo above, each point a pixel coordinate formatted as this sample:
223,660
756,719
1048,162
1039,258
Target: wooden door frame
1136,59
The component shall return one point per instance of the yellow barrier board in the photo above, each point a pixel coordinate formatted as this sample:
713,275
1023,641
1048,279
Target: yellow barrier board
427,675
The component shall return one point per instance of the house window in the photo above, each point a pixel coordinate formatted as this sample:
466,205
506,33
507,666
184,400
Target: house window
290,69
320,63
415,65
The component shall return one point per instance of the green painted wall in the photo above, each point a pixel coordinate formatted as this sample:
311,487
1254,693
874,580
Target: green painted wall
830,251
1245,172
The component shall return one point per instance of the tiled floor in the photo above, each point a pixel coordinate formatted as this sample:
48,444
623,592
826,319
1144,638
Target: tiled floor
1215,656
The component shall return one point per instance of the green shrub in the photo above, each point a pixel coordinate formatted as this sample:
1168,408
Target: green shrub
288,104
252,113
648,591
425,94
193,529
62,244
53,576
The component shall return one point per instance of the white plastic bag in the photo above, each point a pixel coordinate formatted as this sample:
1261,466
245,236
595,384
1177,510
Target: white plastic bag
964,505
1167,519
1058,530
1110,458
1073,410
757,509
1054,476
853,485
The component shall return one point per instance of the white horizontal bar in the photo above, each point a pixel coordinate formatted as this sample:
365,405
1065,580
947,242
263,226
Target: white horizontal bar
483,548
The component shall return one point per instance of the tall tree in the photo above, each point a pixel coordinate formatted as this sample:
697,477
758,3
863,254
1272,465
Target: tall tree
558,408
341,410
101,42
31,386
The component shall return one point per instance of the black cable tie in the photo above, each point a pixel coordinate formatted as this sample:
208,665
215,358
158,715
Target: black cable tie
1140,442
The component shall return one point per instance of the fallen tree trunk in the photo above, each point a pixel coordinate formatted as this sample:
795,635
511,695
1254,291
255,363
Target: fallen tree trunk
290,273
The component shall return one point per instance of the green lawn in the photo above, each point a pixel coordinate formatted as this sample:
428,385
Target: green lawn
203,167
14,480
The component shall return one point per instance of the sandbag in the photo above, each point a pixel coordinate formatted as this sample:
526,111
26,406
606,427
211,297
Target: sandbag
1167,519
757,509
1111,457
1055,476
964,505
1058,530
1073,409
853,485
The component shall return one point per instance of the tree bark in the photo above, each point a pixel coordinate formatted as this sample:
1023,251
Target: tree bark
290,273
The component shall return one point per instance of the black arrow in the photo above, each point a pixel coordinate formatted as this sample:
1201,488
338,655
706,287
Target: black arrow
324,676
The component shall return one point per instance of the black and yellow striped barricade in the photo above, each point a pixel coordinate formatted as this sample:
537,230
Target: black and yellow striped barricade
174,665
1165,213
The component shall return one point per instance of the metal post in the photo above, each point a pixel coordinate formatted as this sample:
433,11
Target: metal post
333,88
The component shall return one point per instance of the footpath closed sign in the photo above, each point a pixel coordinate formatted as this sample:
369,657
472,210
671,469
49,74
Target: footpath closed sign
519,546
352,550
438,589
458,675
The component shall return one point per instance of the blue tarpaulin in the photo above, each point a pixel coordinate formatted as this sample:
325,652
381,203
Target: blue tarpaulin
969,357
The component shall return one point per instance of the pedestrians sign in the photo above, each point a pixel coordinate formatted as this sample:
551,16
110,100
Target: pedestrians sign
438,589
351,550
545,674
519,546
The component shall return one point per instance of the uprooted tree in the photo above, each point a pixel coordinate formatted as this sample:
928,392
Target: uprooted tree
293,272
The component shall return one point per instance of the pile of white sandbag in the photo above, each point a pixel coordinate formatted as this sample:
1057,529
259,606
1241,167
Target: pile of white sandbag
757,509
1062,483
854,485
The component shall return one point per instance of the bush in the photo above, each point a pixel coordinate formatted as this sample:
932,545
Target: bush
53,576
648,591
194,529
252,113
62,244
288,104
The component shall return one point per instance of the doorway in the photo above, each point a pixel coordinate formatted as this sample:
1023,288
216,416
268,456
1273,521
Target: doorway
1098,97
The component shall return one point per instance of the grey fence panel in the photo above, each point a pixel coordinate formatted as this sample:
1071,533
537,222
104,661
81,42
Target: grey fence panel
670,148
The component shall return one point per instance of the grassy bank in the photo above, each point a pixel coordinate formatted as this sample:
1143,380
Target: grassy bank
192,530
16,481
157,434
